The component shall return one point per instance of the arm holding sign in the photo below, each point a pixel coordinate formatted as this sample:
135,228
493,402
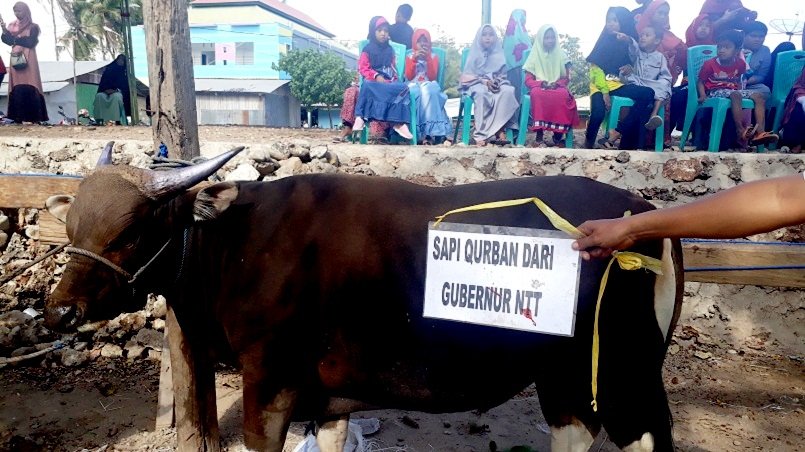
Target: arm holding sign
740,211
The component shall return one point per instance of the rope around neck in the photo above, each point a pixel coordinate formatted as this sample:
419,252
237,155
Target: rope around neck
131,279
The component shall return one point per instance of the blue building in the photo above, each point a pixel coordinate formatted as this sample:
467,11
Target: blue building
242,39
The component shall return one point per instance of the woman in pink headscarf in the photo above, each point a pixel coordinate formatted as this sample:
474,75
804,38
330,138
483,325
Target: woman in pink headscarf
26,103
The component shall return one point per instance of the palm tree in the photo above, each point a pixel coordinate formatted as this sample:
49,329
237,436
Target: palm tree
96,26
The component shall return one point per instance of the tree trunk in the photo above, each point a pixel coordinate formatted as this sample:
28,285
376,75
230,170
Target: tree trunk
330,116
170,75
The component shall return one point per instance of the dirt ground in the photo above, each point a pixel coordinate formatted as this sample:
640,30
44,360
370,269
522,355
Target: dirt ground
752,398
208,133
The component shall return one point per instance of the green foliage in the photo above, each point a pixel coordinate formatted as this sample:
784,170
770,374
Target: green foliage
96,26
579,69
452,65
316,77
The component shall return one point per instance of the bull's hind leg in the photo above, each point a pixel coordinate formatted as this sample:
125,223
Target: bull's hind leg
332,434
266,417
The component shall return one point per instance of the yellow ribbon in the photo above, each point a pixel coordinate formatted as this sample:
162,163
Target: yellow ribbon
626,260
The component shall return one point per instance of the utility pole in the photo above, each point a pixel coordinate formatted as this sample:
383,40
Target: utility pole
55,37
486,12
125,14
170,76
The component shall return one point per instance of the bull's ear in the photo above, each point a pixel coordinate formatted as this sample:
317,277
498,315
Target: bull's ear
212,201
59,205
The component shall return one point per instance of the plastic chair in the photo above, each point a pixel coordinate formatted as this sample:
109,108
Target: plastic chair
442,55
697,55
619,103
788,68
399,56
525,114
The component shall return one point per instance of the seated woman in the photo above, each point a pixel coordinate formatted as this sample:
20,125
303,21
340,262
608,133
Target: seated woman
547,69
382,97
793,129
422,69
113,101
484,78
348,110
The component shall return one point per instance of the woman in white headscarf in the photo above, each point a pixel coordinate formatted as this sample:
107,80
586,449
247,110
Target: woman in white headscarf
484,78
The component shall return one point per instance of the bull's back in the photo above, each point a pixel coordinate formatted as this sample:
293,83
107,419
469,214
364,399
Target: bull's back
353,258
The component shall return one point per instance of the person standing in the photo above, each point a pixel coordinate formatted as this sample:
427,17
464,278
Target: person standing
516,43
26,103
113,101
401,32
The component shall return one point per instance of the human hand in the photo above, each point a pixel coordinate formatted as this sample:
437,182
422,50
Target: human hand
626,70
607,101
380,79
622,36
603,237
752,16
702,99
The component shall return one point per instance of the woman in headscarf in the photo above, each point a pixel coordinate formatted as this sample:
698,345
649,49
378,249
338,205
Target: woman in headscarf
515,44
484,78
382,96
26,102
113,101
793,129
422,70
673,48
727,14
606,60
547,70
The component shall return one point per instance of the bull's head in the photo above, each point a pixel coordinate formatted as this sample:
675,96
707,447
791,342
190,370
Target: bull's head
118,221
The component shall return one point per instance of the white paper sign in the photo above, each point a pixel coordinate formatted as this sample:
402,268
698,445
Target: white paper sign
516,278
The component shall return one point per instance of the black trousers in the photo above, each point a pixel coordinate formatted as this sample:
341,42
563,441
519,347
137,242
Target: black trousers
632,126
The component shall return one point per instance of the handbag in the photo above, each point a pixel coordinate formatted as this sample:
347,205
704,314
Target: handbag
18,60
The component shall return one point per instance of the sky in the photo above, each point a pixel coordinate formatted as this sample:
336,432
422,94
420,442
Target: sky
460,19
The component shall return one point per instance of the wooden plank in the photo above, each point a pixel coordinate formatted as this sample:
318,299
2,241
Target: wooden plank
25,191
707,254
165,417
51,230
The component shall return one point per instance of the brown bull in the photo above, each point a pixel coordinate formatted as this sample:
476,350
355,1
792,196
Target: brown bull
316,284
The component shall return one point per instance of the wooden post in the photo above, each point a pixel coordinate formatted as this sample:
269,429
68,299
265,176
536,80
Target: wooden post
165,418
170,74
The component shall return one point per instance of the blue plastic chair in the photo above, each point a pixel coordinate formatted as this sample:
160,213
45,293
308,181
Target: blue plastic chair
697,55
619,103
788,68
399,56
525,114
442,54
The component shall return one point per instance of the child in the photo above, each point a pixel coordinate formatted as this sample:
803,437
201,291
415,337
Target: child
382,97
759,58
401,32
700,32
547,69
515,44
649,68
606,59
422,69
484,78
348,109
722,77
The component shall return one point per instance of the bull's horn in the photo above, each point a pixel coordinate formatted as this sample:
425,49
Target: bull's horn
157,184
106,155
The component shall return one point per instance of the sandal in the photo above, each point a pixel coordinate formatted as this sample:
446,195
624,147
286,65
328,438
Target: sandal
764,138
749,133
606,143
654,122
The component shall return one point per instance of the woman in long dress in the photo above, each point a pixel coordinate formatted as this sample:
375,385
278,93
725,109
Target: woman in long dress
484,78
26,102
422,70
113,101
547,70
516,43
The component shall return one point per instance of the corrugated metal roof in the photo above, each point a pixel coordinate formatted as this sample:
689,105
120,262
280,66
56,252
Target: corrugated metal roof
47,87
275,6
231,85
61,71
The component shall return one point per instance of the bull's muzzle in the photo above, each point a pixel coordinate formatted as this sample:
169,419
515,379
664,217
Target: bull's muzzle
63,318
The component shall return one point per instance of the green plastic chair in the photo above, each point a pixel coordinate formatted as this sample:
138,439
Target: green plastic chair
619,103
399,56
697,55
466,103
525,114
442,54
788,68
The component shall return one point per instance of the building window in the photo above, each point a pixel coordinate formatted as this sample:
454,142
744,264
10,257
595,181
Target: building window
203,54
244,53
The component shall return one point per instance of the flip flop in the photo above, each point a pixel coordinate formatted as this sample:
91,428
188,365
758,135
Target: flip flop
606,143
654,122
749,133
764,138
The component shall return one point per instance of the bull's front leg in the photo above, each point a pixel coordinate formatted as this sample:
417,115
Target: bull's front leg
332,434
194,391
267,407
